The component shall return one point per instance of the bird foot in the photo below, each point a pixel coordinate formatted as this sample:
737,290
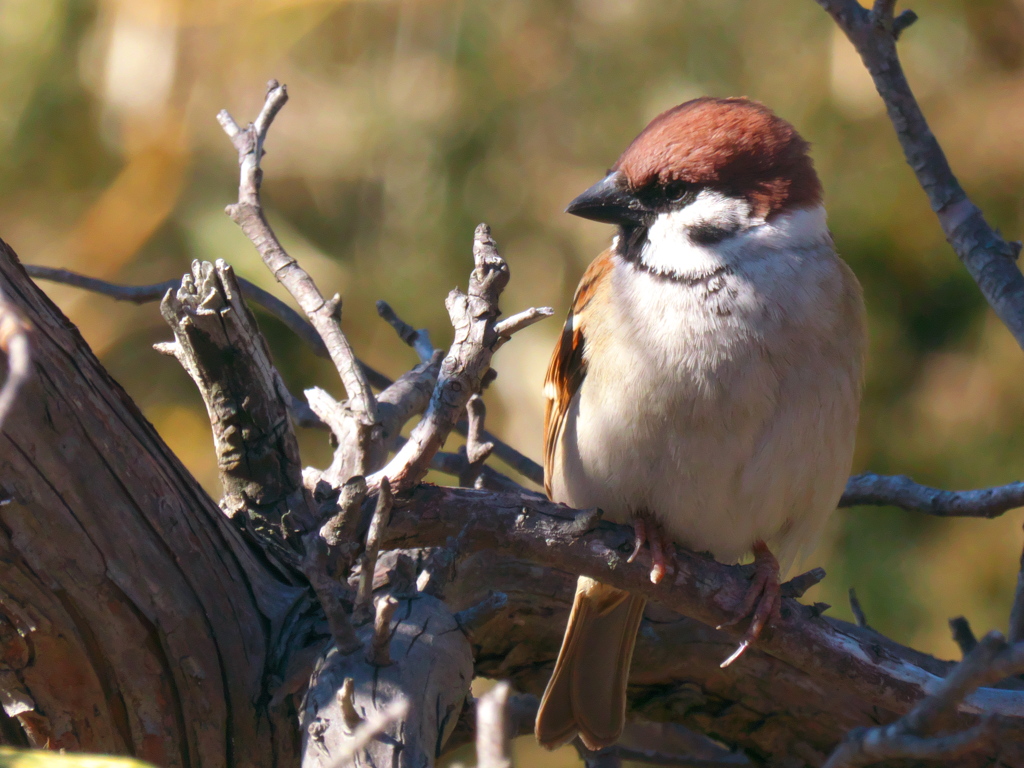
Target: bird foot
648,530
762,602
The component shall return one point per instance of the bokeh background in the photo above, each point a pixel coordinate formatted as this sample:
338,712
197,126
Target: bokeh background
412,120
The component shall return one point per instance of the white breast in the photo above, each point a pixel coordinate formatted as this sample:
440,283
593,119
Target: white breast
722,395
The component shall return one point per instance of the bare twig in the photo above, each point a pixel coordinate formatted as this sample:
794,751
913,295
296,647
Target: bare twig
455,464
373,727
521,463
519,321
476,616
418,340
900,491
407,397
798,585
14,341
362,613
916,735
379,654
330,593
605,758
858,611
963,635
248,214
339,533
988,257
473,316
493,732
348,706
476,449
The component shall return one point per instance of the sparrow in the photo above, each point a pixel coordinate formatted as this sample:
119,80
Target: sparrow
706,385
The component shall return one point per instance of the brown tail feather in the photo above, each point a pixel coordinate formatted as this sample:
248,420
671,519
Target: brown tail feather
587,690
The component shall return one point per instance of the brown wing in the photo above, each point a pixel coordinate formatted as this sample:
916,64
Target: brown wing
567,367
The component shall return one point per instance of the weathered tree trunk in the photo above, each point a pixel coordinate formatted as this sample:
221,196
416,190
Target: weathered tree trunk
133,618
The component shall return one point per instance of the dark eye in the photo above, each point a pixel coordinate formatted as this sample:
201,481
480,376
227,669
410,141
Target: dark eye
678,191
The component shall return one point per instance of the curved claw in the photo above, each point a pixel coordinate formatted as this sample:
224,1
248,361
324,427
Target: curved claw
762,600
648,530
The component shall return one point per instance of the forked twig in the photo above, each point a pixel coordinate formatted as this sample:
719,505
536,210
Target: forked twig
248,214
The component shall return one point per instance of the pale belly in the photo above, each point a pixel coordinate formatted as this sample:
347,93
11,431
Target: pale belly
727,436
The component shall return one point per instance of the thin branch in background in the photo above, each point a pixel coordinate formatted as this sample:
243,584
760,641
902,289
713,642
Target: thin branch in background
493,728
362,612
379,653
248,214
858,611
604,758
870,489
918,734
455,464
144,294
989,259
616,754
963,635
1016,632
14,342
419,340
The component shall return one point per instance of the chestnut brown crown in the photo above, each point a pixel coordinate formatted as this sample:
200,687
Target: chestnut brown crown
736,146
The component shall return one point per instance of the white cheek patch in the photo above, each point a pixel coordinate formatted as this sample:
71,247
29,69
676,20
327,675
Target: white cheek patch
672,248
674,243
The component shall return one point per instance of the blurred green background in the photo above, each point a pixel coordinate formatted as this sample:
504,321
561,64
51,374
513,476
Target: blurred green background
409,122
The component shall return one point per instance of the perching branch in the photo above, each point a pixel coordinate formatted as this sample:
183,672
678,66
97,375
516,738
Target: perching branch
579,542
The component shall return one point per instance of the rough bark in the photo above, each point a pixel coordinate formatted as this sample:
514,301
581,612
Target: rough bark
133,618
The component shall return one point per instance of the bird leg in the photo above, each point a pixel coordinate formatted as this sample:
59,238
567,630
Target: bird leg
761,602
646,529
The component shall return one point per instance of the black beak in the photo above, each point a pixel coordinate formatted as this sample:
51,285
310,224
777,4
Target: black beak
608,201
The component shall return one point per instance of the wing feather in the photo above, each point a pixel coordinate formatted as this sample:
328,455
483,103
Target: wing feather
567,368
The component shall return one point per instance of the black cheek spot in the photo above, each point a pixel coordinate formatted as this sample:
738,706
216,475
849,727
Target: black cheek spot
708,234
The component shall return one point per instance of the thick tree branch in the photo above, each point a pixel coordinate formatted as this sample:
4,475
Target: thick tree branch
578,542
220,346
